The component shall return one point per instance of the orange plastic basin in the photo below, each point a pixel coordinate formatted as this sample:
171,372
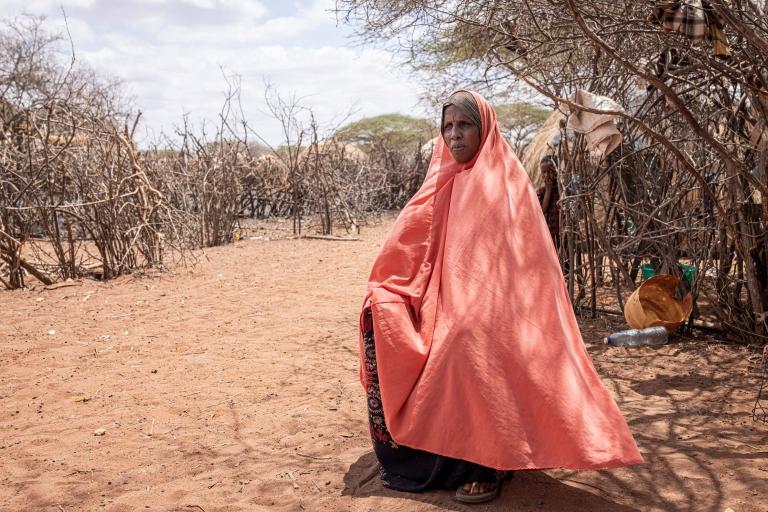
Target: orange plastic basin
654,303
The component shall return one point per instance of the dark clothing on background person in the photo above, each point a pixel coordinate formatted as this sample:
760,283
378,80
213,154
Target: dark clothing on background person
552,214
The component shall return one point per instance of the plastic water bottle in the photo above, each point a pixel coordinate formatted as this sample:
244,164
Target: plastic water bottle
636,337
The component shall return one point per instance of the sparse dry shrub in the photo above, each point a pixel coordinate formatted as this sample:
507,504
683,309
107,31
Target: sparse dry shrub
266,188
204,181
74,195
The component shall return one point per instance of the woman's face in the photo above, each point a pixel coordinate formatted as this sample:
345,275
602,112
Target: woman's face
460,134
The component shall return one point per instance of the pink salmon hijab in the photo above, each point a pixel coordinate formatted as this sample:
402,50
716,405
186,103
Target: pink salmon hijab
478,351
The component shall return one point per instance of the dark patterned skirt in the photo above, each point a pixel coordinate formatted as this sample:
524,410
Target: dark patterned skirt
403,468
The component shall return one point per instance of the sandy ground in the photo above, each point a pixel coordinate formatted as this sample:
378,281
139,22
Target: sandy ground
233,386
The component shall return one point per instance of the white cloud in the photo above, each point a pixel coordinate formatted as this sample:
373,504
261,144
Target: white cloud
171,54
330,80
237,35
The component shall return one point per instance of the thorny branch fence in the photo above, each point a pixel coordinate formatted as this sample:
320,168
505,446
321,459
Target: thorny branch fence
77,197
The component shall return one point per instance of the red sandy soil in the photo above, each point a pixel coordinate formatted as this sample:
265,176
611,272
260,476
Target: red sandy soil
232,386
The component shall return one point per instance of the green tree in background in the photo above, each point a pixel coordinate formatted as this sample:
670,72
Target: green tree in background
519,122
391,130
397,152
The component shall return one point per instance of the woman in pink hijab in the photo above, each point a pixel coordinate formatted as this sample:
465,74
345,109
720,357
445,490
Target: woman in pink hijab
470,352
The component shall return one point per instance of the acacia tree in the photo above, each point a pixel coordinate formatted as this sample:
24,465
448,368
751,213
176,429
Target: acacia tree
694,118
397,157
519,122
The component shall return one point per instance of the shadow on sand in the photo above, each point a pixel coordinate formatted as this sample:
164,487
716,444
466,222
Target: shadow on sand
527,491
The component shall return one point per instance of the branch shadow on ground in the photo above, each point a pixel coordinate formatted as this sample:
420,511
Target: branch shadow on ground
528,490
687,405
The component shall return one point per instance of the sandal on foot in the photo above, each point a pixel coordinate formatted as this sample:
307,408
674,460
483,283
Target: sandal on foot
469,497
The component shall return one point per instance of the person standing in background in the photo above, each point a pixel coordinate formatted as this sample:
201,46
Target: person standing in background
549,196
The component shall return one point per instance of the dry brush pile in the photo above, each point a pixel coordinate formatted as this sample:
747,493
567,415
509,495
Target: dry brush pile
77,197
73,191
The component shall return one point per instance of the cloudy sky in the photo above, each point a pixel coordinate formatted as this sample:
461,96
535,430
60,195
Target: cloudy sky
170,55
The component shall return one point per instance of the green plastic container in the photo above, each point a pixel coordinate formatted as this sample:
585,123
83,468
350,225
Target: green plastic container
648,271
689,272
